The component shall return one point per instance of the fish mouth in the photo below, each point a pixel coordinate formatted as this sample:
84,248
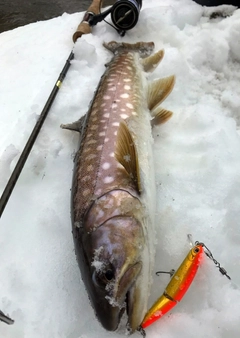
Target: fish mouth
127,294
134,312
110,308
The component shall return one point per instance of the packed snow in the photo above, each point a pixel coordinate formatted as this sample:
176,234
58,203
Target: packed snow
197,163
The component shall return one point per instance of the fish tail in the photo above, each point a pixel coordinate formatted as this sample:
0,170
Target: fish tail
143,48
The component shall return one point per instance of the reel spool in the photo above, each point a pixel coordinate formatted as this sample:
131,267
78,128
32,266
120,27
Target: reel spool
125,13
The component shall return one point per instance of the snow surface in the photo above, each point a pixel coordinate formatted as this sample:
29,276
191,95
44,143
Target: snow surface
197,164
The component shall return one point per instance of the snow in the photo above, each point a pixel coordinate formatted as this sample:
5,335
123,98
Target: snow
197,164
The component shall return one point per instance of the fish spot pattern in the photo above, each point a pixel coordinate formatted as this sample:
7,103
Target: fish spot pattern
106,165
86,192
97,170
115,124
108,179
129,105
106,97
124,96
90,167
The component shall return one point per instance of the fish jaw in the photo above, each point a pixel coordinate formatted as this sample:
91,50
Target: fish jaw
114,266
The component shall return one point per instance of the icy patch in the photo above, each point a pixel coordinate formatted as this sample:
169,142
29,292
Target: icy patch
97,263
127,158
110,286
113,302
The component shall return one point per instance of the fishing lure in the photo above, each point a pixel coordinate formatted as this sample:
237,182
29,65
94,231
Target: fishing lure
177,287
179,284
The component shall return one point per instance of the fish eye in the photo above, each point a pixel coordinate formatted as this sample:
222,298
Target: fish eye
109,274
101,278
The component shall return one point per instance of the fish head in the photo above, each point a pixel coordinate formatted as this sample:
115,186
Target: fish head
115,251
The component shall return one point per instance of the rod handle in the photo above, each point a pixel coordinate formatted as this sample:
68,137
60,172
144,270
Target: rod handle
84,27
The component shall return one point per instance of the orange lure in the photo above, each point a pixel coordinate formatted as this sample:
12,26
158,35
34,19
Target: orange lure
177,287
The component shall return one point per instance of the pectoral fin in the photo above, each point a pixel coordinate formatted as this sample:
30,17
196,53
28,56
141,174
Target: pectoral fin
158,91
160,116
151,62
126,154
75,126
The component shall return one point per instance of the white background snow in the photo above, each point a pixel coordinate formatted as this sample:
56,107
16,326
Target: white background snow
197,157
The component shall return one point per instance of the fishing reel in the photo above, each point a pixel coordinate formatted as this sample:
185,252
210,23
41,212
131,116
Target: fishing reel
124,15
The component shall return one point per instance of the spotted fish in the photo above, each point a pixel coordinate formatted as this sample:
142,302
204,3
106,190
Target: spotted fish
113,192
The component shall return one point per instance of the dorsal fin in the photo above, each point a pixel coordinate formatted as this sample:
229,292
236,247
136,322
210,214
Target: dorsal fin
161,115
151,62
75,126
158,91
126,153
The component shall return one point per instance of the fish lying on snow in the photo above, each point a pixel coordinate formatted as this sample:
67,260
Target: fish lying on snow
113,193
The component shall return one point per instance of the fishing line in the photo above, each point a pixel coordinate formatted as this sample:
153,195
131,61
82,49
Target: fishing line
210,255
106,20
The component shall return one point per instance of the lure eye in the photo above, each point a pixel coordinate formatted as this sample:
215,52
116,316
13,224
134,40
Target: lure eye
196,250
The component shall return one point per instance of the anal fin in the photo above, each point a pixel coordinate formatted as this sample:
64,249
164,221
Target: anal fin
126,154
151,62
158,91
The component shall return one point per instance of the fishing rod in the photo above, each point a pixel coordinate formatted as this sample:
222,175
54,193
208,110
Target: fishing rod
24,155
83,28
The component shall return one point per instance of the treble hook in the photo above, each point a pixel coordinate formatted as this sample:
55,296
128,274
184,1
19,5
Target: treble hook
142,331
171,272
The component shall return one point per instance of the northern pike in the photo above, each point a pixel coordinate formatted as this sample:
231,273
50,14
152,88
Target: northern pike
113,192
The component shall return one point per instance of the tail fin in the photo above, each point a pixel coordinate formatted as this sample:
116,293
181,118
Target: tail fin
143,48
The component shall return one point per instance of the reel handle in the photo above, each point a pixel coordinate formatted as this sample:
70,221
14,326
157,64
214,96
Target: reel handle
84,26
